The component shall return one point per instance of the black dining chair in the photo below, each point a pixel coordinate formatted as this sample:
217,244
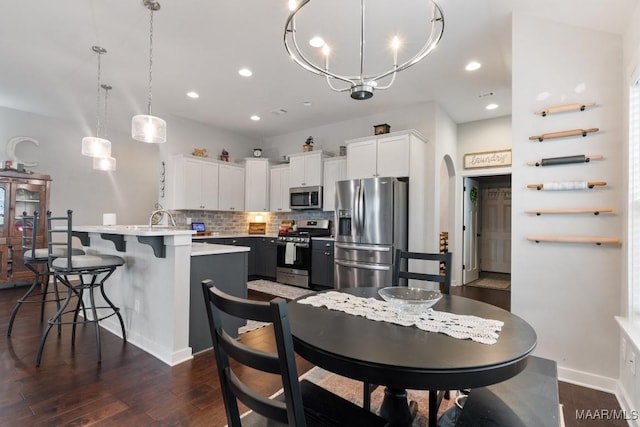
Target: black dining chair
401,276
301,403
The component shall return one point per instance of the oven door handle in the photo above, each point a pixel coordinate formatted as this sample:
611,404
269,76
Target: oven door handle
363,248
364,266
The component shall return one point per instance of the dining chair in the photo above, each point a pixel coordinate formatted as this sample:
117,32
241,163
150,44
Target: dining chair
301,403
401,276
79,273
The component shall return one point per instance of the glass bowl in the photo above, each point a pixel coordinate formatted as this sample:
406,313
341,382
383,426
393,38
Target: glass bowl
410,300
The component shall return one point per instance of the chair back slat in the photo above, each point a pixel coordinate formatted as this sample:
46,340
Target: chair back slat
401,266
281,362
59,236
29,229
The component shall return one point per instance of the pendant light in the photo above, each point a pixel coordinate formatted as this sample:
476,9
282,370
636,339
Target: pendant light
95,146
105,163
145,127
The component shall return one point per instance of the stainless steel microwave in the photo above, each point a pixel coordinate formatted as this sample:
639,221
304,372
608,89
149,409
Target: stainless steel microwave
305,197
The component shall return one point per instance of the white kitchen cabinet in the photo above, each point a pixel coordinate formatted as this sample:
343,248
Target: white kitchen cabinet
231,188
335,169
305,169
194,184
279,189
386,155
256,195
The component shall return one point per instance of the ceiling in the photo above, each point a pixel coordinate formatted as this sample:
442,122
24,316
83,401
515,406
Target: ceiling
47,65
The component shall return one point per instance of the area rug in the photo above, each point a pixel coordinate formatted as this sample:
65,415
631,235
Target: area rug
278,289
275,289
352,391
493,281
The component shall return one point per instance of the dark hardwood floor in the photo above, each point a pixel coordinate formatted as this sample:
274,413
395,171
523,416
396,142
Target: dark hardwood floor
133,388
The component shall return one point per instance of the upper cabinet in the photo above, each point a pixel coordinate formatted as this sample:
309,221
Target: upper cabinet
256,173
231,187
335,169
305,169
279,189
195,184
386,155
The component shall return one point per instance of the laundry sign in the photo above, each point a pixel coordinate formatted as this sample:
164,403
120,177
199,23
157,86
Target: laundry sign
487,159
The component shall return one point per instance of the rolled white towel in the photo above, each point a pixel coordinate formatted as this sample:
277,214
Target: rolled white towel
566,185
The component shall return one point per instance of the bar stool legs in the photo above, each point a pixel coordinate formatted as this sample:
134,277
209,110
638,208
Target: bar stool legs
29,296
78,289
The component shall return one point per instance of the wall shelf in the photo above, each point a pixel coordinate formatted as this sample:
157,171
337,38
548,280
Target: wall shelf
563,134
576,239
565,160
567,185
569,211
565,108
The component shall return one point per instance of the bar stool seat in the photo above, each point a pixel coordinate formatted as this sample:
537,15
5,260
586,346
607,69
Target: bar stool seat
36,259
79,273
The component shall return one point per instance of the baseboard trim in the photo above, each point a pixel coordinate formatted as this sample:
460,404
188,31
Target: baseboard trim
589,380
626,406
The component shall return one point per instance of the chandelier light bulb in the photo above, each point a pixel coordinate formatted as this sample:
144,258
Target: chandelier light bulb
104,163
316,42
292,5
395,43
326,50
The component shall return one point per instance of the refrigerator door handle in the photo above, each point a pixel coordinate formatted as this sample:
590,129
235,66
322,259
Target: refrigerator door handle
365,248
361,209
364,266
357,211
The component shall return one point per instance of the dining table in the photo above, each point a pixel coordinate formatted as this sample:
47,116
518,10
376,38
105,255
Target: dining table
406,357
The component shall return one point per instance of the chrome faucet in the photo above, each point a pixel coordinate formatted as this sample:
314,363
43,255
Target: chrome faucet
159,211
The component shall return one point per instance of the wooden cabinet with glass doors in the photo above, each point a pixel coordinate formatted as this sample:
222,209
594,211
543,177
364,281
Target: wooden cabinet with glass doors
20,192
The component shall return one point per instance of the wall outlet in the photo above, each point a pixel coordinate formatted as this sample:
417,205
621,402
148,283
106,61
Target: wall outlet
623,348
188,221
632,362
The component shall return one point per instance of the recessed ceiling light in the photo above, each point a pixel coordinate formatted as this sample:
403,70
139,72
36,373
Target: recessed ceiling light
472,66
193,95
307,103
245,72
255,118
491,106
316,42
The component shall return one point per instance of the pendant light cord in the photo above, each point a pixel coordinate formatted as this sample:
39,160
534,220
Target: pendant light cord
150,58
98,98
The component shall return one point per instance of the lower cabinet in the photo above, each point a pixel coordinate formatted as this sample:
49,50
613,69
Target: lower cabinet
262,259
266,257
322,263
229,273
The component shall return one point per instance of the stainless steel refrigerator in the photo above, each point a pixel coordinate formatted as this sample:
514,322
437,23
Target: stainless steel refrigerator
371,223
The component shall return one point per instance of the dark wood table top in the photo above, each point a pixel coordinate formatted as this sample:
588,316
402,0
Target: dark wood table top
405,356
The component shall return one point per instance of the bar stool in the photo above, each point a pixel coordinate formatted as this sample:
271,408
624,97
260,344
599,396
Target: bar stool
37,260
89,272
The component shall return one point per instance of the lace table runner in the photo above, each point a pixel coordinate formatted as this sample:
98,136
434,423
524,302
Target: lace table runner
459,326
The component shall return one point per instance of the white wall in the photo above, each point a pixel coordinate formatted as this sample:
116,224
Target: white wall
569,293
130,191
420,117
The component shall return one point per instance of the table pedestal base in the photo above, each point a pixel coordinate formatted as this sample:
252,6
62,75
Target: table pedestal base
396,409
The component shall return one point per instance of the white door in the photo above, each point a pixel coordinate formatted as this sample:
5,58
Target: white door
496,230
470,265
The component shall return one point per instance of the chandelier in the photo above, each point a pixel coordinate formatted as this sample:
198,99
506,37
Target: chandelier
145,127
361,83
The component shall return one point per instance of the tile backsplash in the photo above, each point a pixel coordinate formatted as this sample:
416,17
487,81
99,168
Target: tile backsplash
225,222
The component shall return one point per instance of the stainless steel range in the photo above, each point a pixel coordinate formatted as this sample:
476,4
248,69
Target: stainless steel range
294,252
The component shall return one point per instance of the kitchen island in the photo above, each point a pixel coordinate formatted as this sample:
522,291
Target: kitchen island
152,288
